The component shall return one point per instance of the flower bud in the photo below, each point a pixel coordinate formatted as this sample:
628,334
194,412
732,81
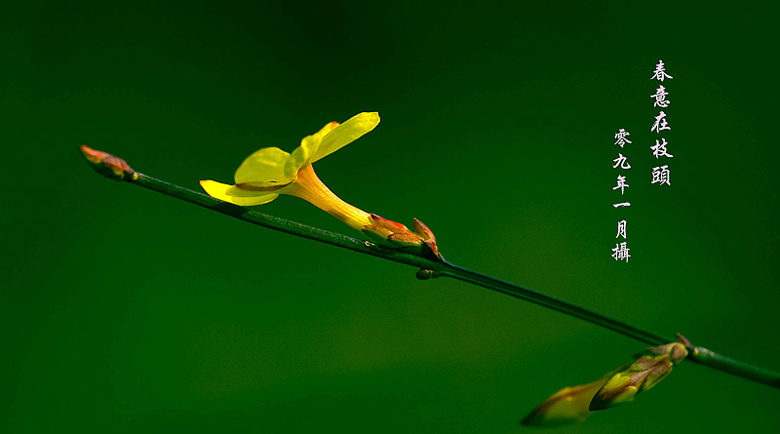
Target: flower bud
393,234
107,165
568,405
652,367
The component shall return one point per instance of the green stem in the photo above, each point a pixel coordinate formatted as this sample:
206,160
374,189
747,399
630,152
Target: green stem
435,268
475,278
279,224
734,367
439,268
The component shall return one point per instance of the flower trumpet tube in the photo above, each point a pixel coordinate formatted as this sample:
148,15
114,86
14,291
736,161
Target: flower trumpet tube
269,172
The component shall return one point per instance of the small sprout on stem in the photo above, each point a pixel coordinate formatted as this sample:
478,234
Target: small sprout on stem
108,165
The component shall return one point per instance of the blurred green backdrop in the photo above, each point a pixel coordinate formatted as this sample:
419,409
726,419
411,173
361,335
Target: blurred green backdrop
125,310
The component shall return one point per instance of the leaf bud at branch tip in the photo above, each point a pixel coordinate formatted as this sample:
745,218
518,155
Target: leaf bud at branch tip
574,404
568,405
108,165
652,367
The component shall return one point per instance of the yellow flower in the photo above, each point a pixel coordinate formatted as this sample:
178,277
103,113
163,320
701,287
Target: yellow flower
269,172
565,406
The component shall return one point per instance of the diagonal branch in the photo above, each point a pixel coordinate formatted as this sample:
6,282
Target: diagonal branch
116,168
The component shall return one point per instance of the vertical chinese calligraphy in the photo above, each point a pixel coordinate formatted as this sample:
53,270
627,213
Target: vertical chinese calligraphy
660,173
620,252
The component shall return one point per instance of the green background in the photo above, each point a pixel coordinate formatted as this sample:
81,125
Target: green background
126,310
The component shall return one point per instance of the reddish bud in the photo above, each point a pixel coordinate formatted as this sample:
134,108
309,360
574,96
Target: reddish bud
405,239
107,164
423,231
389,224
393,234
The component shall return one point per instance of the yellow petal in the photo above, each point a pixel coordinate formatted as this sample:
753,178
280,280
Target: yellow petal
264,168
346,133
235,195
327,128
302,155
